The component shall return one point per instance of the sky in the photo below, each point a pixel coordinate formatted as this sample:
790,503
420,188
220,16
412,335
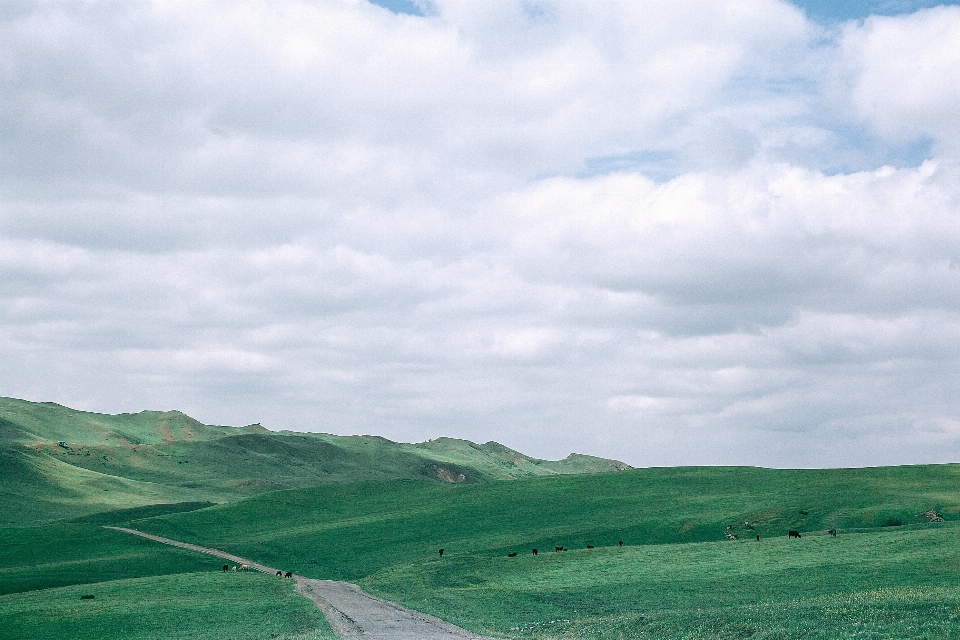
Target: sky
670,233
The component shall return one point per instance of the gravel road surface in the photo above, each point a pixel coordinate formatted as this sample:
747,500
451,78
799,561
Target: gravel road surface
353,613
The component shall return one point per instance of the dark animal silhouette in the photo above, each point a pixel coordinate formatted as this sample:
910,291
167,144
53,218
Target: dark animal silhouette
534,552
288,575
280,573
833,532
758,537
512,555
226,568
441,553
559,549
621,542
87,597
793,534
589,546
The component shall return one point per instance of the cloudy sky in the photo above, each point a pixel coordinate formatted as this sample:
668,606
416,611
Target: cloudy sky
684,232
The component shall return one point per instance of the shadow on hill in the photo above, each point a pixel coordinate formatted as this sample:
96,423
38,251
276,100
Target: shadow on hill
63,463
123,516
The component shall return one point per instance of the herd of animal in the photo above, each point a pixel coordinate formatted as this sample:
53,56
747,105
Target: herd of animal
246,567
243,567
790,534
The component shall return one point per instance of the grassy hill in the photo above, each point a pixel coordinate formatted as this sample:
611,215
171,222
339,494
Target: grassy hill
369,510
890,573
354,530
58,463
884,583
141,590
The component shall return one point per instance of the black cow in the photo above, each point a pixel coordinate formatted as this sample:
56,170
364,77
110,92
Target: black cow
288,575
512,555
833,532
280,573
793,534
621,542
589,546
534,552
441,553
758,537
226,568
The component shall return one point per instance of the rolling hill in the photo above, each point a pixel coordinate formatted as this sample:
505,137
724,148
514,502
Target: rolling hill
59,463
704,549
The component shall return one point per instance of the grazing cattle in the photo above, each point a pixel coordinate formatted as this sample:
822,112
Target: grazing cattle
534,552
233,568
441,553
244,567
559,549
512,555
793,534
226,568
833,532
758,537
621,542
288,575
280,573
589,546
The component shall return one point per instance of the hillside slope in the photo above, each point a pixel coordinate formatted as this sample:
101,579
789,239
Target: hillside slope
351,531
62,463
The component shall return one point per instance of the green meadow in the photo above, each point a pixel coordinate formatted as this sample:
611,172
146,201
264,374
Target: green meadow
890,573
374,512
354,530
141,589
884,584
231,606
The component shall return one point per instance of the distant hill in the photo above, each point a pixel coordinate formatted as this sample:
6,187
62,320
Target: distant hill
60,463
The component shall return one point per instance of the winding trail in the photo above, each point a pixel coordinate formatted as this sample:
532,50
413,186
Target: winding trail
353,613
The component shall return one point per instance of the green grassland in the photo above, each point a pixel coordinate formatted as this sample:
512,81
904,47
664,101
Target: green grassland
889,574
59,463
57,555
886,583
365,509
209,605
141,589
353,530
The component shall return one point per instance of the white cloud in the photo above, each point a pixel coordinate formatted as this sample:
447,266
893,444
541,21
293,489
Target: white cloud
658,232
905,74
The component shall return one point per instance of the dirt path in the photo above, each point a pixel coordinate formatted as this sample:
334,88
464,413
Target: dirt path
353,613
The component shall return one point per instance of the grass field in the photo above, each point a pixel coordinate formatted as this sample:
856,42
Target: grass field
209,605
354,530
377,513
58,555
892,583
890,573
59,463
142,590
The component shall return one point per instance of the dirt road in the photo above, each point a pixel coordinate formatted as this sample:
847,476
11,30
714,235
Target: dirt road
353,613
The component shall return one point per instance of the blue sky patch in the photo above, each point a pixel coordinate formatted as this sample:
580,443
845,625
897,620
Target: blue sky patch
832,11
407,7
